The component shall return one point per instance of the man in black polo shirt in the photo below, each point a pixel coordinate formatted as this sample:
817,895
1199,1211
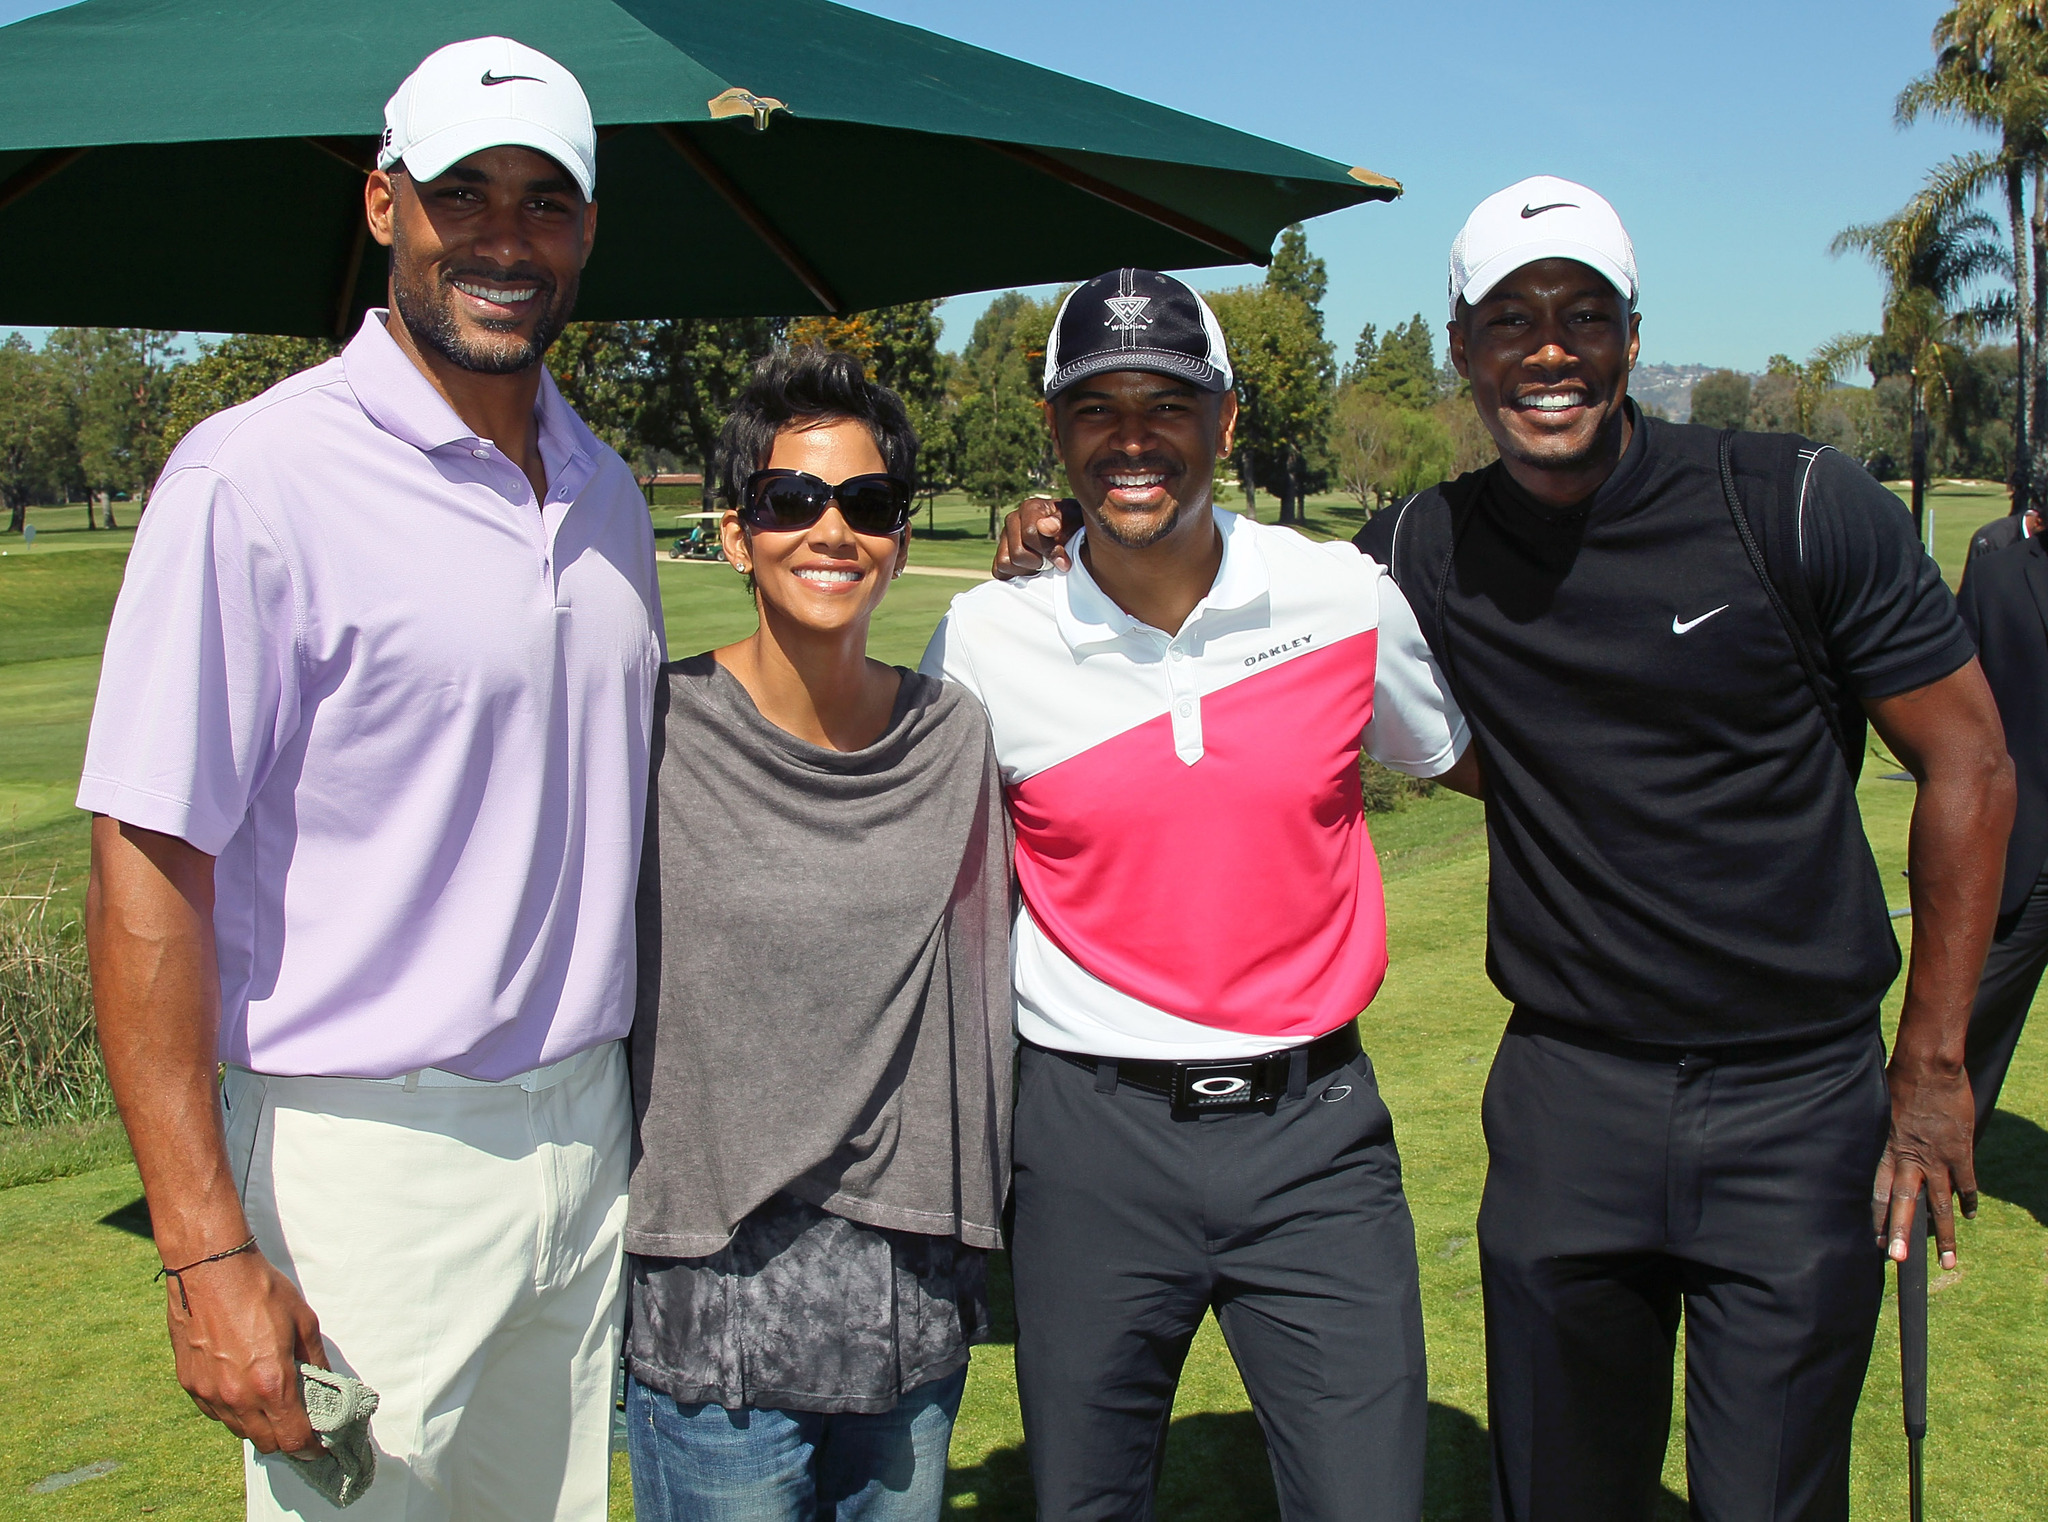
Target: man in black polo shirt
1690,1103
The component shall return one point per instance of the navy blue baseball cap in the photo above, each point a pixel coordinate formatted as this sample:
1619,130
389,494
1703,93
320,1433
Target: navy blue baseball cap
1136,320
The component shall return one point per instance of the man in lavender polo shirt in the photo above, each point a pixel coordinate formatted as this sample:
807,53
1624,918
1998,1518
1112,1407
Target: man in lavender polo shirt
368,766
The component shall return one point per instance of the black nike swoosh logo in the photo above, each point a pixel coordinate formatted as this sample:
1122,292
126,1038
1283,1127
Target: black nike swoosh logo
506,79
1527,211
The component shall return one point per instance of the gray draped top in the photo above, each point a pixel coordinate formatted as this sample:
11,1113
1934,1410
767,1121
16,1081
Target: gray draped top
824,1004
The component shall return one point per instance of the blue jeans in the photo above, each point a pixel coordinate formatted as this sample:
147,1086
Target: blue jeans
707,1464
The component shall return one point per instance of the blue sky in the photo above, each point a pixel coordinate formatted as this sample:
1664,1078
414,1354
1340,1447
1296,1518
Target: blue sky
1735,138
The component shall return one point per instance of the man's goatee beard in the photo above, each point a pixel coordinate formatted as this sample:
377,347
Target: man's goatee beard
433,323
1152,536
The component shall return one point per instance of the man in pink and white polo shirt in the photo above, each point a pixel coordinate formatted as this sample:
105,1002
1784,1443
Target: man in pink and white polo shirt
368,766
1179,716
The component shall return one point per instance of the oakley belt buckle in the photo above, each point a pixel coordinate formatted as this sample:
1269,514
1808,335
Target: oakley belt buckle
1216,1086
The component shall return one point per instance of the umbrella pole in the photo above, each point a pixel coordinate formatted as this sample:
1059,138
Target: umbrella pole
1913,1354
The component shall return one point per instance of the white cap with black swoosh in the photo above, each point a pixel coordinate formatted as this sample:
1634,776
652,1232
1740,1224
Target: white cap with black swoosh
489,92
1543,217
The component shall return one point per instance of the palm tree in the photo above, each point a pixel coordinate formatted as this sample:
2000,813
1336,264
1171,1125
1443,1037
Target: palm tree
1991,71
1932,255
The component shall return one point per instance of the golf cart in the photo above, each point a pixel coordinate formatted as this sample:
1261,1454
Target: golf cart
701,542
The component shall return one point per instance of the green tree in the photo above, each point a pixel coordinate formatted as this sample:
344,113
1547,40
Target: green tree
1774,399
659,392
1003,450
906,356
1385,450
1720,399
1991,71
1298,465
1973,427
1363,353
1472,447
120,385
38,432
599,369
233,371
1931,255
693,369
939,460
1404,368
1285,377
1298,273
898,346
926,390
1449,383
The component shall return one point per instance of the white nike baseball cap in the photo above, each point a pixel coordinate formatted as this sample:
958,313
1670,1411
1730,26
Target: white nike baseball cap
1542,217
489,92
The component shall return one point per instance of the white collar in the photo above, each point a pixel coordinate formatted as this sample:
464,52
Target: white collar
1088,616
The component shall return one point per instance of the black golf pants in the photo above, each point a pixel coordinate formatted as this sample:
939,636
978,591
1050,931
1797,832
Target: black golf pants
1623,1184
1288,1219
2012,973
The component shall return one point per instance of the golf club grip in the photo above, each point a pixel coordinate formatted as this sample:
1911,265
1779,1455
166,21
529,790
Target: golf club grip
1913,1327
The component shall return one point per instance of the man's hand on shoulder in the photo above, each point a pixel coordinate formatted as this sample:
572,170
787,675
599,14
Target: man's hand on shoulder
1035,534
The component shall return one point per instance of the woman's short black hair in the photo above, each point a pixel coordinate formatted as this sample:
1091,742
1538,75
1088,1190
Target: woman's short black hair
806,386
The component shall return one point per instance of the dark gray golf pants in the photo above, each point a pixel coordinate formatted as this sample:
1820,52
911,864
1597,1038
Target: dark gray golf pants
2012,975
1288,1219
1622,1185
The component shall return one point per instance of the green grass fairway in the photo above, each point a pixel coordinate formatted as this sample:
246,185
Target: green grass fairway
82,1350
1960,508
64,528
53,621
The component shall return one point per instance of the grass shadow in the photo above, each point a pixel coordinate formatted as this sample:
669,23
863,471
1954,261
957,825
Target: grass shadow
1215,1470
2012,1163
132,1218
1458,1469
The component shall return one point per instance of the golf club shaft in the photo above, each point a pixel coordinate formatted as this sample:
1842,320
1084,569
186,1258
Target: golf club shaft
1913,1351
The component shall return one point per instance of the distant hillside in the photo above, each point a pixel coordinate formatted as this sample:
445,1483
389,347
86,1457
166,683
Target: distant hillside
1668,388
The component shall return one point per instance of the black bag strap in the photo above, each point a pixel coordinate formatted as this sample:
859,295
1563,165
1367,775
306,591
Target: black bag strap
1787,591
1416,540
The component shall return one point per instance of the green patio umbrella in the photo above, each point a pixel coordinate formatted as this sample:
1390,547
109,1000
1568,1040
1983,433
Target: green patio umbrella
196,164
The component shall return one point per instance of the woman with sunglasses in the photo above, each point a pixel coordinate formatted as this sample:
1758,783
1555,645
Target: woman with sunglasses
821,1056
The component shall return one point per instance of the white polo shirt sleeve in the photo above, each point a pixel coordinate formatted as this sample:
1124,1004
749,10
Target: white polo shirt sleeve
947,659
1416,724
199,685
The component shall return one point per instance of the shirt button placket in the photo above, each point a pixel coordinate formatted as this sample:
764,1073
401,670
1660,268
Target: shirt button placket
1186,710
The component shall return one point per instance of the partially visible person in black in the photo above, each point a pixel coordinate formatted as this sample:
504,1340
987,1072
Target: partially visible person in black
2003,601
1691,1101
2001,532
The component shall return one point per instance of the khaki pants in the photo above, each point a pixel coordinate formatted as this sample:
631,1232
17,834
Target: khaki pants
460,1243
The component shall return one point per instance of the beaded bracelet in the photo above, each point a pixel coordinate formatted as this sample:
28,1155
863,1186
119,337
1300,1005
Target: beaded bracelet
179,1273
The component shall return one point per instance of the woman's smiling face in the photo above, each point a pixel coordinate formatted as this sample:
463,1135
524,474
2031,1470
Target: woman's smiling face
825,577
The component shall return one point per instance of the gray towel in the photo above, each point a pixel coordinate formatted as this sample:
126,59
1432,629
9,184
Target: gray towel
340,1408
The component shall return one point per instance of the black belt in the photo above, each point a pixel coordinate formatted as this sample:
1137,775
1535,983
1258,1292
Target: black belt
1233,1085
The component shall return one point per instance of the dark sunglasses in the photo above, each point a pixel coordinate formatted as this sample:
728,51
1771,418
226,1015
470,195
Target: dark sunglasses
791,499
